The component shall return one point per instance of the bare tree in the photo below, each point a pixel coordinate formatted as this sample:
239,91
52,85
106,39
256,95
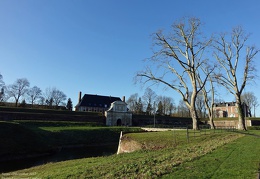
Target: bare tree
233,65
255,105
2,85
58,97
182,109
54,96
200,105
167,104
48,96
206,101
180,56
139,106
148,99
172,108
251,100
18,89
209,101
34,93
132,101
41,100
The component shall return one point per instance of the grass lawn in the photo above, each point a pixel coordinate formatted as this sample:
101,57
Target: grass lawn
19,138
163,155
218,155
238,159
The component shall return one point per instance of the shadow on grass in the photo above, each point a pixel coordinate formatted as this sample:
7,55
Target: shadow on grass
248,133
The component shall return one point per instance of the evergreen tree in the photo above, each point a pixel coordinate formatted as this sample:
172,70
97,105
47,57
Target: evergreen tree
49,102
160,108
69,105
149,109
139,106
23,103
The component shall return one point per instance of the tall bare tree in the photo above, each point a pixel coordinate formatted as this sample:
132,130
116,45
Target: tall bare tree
180,56
2,84
167,104
18,89
54,96
58,97
255,105
208,95
48,96
200,105
233,65
182,109
139,106
148,99
34,93
132,101
251,100
209,101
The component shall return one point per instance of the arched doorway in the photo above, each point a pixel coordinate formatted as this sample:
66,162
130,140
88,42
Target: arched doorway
119,122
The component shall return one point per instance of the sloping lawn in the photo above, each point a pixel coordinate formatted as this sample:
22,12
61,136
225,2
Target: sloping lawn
145,163
238,159
21,138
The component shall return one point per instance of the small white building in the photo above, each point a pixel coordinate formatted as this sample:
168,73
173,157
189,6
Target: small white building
118,114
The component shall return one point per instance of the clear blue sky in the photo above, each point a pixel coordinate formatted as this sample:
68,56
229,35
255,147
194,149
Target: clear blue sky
97,46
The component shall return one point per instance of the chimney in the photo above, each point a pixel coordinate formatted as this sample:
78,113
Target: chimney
79,96
123,98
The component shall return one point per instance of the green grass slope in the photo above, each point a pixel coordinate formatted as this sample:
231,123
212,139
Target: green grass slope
238,159
17,140
20,139
170,161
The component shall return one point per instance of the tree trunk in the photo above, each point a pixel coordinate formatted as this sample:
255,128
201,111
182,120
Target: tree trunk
16,102
241,116
194,117
211,122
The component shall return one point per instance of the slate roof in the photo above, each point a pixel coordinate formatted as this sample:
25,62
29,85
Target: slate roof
223,104
90,100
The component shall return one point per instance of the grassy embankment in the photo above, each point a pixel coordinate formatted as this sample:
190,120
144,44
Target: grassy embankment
28,138
218,155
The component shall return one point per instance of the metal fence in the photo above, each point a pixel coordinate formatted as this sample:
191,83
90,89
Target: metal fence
187,134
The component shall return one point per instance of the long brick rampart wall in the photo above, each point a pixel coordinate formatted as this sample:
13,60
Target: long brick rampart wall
5,116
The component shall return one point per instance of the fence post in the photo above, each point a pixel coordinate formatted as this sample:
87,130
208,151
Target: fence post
119,144
174,136
188,140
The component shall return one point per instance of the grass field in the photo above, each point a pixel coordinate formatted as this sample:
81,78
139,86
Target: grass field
20,138
238,159
217,155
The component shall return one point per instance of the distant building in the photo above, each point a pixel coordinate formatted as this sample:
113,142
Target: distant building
95,103
118,115
114,108
229,109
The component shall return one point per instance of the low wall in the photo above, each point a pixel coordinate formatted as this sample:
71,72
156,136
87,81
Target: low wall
5,116
230,123
148,120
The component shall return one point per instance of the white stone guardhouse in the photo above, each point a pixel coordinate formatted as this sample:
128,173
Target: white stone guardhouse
118,114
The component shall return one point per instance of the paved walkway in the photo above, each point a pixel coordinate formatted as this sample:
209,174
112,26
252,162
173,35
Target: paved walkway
159,129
